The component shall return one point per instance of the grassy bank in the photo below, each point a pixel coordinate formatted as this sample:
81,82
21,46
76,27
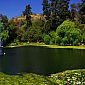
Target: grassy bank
42,45
70,77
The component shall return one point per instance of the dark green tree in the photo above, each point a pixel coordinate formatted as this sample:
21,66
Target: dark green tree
59,12
12,32
46,14
82,12
46,9
74,13
4,21
27,13
54,14
64,9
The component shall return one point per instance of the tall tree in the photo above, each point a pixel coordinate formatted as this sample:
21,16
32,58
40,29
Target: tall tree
46,9
46,13
82,12
74,12
64,9
28,13
59,12
54,14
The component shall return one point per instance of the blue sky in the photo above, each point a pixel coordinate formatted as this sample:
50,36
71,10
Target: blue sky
12,8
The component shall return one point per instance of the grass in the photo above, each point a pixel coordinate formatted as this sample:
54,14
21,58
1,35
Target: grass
19,44
70,77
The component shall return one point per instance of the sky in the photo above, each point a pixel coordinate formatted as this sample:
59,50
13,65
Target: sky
13,8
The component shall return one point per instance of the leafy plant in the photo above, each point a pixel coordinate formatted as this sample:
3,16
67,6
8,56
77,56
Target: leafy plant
47,39
69,34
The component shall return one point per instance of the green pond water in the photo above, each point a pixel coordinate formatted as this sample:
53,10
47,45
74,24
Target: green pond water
40,60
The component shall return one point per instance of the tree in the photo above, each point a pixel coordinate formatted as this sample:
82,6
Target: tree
28,13
46,9
47,39
74,13
82,12
69,33
34,34
46,13
59,12
54,14
12,32
4,29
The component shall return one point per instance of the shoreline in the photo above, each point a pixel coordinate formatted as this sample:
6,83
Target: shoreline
44,45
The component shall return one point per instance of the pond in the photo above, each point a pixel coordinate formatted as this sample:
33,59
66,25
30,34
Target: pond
40,60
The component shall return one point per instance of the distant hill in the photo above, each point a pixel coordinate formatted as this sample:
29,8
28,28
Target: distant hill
33,17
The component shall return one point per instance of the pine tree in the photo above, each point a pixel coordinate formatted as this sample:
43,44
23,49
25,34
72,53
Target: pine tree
28,13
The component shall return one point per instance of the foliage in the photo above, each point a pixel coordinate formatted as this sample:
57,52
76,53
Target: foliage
47,39
46,9
34,33
59,12
40,23
4,36
12,32
43,29
58,40
27,13
82,12
52,35
3,31
69,34
52,41
83,38
70,77
74,12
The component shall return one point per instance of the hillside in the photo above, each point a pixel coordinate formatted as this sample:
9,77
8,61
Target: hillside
33,17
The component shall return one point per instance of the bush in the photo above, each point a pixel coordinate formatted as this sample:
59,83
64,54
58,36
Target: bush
83,38
70,35
52,34
58,40
47,39
52,41
33,34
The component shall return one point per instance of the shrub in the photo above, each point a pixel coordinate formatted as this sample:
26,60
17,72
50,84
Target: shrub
34,34
52,34
57,40
52,41
47,39
83,37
